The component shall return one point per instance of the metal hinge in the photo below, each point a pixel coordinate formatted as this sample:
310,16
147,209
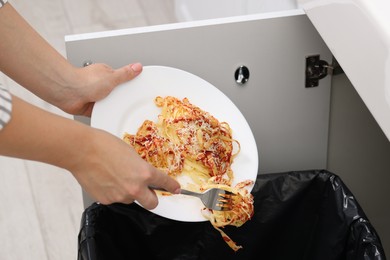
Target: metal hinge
317,69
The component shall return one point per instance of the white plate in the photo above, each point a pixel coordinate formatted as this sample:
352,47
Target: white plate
131,103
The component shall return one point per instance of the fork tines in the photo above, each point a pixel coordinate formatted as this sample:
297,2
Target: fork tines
225,200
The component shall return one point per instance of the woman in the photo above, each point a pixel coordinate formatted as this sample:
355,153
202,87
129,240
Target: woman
107,168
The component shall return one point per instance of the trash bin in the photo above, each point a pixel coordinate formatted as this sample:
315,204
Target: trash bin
298,215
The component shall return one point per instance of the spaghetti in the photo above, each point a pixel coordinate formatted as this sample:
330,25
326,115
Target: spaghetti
186,140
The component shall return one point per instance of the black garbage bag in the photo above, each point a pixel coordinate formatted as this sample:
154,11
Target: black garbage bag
298,215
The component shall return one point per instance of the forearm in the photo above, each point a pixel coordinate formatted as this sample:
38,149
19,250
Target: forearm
28,59
35,134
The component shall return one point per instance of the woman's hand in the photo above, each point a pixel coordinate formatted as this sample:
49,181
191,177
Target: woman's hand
111,171
92,84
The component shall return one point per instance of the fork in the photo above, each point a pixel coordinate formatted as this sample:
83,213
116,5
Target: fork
214,198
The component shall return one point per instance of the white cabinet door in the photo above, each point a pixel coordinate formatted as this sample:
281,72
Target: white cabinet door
289,121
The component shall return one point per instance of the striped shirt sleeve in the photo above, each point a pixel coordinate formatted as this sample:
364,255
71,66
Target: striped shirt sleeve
2,2
5,106
5,98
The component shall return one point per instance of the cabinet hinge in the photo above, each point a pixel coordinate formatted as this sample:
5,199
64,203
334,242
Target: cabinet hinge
317,69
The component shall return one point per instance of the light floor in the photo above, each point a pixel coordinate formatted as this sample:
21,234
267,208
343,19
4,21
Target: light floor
41,205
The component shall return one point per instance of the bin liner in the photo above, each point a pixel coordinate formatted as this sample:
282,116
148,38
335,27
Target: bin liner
298,215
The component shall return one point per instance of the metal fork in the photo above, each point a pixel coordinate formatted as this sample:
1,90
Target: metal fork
215,199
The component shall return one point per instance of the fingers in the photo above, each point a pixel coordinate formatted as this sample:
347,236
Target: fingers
104,80
128,72
149,199
165,182
105,201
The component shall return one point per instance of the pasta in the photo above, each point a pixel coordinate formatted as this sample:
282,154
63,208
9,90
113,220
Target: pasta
186,140
241,211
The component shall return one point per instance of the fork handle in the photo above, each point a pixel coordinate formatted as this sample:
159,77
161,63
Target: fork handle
191,193
182,191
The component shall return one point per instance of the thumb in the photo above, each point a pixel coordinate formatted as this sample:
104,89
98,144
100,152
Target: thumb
128,72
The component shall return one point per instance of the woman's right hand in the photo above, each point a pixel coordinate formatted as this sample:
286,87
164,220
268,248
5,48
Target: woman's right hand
111,171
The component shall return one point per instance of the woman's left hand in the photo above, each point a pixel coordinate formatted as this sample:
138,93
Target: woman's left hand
94,83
